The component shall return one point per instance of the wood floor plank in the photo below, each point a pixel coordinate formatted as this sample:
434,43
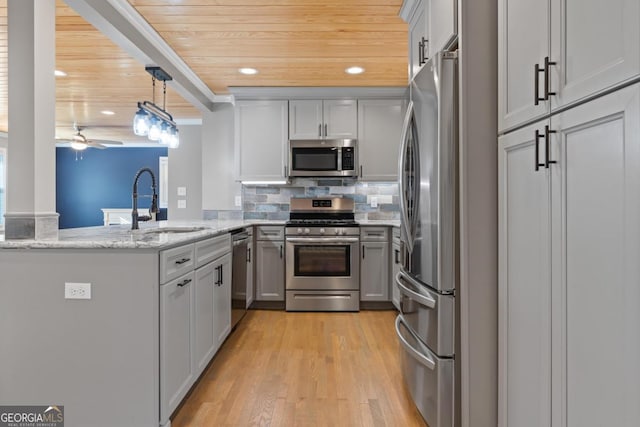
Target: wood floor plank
304,369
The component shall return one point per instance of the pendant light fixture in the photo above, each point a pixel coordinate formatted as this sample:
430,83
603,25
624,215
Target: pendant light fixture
152,121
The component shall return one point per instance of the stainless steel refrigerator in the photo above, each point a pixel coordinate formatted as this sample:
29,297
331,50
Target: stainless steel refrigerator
428,171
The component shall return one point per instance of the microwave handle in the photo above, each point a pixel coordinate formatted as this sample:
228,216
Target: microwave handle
285,171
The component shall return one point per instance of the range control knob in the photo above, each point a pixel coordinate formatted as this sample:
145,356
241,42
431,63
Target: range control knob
307,231
299,230
322,231
337,231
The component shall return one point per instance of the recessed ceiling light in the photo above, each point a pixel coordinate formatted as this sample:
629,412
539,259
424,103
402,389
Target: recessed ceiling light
59,73
248,71
107,112
354,70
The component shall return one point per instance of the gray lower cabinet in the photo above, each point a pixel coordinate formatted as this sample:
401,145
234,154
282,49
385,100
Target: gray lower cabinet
374,264
269,263
176,329
195,315
270,270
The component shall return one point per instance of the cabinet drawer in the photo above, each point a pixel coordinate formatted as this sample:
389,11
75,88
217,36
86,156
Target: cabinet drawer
210,249
270,232
175,262
374,234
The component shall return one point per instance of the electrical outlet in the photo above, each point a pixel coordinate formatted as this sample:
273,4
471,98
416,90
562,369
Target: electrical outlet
238,201
182,191
77,290
374,202
182,204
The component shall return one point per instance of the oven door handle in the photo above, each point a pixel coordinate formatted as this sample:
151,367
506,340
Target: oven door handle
323,240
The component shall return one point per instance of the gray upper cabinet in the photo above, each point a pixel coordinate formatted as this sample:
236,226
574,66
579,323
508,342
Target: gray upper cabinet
443,23
379,130
319,119
261,140
551,56
414,12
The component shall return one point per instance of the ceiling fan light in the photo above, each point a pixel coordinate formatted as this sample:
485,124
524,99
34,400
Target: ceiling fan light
141,123
79,146
154,129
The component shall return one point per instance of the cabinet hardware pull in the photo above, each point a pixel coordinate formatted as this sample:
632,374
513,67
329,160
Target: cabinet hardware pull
397,252
183,260
537,157
184,282
547,82
325,130
248,254
536,83
362,251
420,52
221,275
547,142
425,43
320,129
285,171
280,251
360,171
218,273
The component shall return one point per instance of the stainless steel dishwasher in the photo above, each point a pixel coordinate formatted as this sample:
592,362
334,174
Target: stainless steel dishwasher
240,241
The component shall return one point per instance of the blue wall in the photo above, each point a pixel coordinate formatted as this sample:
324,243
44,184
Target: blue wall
101,179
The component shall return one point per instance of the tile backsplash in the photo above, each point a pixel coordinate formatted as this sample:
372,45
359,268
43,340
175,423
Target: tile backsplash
272,202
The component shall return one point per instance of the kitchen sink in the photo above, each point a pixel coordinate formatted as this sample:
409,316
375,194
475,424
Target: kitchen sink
172,230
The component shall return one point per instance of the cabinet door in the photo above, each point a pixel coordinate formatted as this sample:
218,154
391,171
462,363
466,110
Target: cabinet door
595,44
205,344
417,27
523,41
397,263
598,277
250,273
524,283
176,350
443,23
374,271
305,119
270,271
222,299
340,118
261,140
379,132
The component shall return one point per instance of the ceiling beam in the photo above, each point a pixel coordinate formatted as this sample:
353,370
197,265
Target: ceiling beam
122,23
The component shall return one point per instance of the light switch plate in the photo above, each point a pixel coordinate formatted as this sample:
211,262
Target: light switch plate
182,204
374,202
182,191
238,201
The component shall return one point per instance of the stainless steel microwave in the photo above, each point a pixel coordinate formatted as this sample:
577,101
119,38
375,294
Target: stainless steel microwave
323,157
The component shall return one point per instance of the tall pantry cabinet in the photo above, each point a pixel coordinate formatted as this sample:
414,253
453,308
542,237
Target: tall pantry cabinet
569,214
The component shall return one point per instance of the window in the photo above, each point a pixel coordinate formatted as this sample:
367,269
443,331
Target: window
3,185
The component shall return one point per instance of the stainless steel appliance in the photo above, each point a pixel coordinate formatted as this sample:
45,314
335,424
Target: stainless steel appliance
323,157
322,256
240,242
426,325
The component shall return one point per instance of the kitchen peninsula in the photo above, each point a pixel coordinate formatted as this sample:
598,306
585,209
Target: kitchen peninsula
100,356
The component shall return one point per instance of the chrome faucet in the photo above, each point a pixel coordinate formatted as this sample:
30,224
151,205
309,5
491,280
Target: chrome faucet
153,210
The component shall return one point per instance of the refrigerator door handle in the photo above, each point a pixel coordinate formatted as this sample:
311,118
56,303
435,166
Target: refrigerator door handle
404,218
422,299
422,358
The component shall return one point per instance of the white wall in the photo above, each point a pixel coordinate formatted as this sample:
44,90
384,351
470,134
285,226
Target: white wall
219,187
185,169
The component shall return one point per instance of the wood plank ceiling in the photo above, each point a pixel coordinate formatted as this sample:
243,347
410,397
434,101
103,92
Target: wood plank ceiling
289,42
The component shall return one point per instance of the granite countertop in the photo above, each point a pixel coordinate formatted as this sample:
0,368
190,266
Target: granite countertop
122,237
148,236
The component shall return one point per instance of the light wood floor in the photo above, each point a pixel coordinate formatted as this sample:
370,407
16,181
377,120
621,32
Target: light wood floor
304,369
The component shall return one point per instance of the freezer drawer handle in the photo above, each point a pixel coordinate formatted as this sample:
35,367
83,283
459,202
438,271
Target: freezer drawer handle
425,300
422,358
182,261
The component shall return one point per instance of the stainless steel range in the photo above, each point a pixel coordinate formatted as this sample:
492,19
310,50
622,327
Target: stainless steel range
322,255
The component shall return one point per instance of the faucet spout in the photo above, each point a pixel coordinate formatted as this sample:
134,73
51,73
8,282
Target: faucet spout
153,210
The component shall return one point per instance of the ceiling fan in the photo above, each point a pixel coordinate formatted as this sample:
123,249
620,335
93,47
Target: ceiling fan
79,142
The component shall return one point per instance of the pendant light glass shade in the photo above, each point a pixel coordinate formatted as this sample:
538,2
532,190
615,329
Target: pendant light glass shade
164,134
141,123
154,129
174,138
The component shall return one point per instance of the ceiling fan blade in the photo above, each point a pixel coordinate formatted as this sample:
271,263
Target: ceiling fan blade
96,145
105,141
